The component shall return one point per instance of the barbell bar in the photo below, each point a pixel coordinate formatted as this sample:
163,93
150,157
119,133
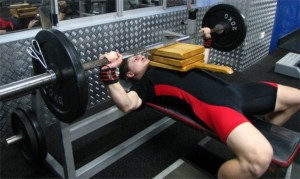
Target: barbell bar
63,85
25,86
14,139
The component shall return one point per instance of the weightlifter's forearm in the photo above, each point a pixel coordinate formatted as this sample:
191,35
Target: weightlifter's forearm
206,55
207,44
2,31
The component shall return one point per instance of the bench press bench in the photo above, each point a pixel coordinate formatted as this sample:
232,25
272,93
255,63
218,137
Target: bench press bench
285,142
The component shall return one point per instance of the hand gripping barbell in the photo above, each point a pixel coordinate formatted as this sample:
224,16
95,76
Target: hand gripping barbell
63,84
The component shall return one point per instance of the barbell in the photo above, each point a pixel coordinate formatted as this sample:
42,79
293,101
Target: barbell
63,84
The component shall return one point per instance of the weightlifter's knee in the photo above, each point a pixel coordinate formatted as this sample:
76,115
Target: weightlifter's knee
258,161
253,151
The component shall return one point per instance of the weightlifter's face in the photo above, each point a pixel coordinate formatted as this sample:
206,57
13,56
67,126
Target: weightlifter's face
137,66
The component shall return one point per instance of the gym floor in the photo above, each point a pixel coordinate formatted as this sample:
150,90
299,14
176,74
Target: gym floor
178,141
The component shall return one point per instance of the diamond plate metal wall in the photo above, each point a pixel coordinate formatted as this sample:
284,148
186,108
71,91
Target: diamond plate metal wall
260,20
153,26
14,65
125,35
92,41
171,3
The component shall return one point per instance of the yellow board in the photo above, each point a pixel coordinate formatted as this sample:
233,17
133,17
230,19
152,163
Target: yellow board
196,65
177,62
178,50
23,10
22,5
24,14
26,9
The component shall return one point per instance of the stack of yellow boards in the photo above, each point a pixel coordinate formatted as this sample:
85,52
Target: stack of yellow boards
183,57
23,10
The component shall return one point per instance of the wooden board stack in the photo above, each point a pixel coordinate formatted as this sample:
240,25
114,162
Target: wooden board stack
183,57
23,10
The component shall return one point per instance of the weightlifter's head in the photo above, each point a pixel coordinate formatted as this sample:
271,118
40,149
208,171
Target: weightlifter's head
134,67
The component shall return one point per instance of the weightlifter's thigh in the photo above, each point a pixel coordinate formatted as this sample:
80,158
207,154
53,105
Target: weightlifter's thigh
287,97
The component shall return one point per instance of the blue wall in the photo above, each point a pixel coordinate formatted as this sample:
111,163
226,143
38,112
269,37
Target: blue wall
287,20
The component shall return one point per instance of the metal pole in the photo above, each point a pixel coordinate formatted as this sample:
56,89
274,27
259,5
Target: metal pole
26,86
13,139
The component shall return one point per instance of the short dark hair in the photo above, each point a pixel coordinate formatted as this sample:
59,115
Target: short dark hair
123,69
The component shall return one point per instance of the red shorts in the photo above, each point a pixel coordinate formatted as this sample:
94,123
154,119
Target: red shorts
252,99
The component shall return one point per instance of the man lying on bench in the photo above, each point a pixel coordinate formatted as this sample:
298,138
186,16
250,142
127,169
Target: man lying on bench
216,104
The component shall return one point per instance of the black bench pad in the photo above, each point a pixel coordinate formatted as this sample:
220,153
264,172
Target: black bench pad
285,142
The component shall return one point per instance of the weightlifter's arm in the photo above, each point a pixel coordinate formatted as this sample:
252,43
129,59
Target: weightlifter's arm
123,100
2,32
207,42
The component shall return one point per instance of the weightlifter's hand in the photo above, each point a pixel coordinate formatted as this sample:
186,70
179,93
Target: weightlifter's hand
206,37
206,32
114,58
107,72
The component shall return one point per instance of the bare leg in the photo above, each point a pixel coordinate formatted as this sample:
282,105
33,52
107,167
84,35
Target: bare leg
287,104
254,153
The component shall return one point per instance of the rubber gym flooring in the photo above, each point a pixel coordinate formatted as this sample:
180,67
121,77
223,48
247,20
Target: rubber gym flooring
177,141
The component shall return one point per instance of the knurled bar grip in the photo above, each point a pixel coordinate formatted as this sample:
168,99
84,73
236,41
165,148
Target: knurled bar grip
104,61
94,64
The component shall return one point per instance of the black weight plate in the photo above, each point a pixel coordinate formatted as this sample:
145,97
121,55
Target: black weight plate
29,142
67,98
31,116
233,21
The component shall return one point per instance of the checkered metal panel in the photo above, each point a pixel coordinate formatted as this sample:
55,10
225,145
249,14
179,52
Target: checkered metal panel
92,41
171,3
260,23
153,26
15,63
